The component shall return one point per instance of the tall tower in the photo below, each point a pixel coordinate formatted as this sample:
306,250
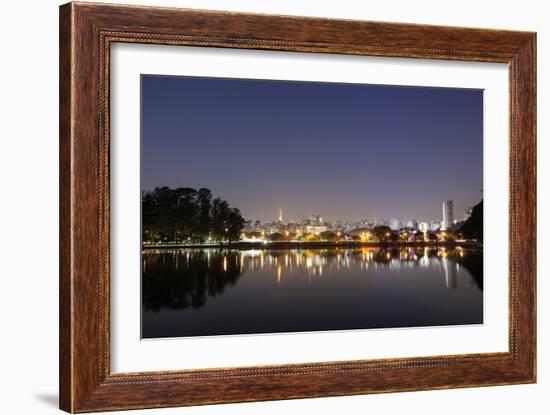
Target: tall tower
447,215
280,215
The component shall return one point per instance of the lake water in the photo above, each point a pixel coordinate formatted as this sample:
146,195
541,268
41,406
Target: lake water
198,292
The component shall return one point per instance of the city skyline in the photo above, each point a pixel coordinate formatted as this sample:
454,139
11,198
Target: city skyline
281,217
347,151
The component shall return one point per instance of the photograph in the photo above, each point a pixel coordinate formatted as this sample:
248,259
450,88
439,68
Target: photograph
277,206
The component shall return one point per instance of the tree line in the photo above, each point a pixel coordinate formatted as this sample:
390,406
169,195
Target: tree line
473,227
187,214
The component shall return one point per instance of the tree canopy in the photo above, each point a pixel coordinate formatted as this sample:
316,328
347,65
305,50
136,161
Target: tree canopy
384,233
473,227
187,214
328,236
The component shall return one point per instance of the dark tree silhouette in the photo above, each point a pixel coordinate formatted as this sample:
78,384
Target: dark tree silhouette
419,237
187,214
328,236
205,204
220,212
191,283
430,236
234,224
384,233
276,236
473,227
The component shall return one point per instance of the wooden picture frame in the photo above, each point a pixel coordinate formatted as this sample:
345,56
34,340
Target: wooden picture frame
86,33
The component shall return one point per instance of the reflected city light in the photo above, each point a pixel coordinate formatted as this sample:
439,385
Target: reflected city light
319,262
345,281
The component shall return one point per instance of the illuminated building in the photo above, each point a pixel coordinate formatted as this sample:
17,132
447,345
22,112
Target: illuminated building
412,224
395,224
447,214
315,229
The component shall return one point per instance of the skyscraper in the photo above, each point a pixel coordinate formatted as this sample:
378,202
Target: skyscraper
447,214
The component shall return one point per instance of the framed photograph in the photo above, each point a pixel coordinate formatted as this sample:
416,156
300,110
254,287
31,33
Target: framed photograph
259,207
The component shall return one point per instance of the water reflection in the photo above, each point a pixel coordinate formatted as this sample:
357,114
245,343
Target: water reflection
250,291
184,279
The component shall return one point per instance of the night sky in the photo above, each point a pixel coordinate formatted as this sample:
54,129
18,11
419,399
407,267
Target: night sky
346,151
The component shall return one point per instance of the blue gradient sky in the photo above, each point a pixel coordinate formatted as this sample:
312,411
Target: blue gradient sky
345,151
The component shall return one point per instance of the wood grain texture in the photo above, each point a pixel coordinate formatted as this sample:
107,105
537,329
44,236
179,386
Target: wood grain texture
65,247
86,33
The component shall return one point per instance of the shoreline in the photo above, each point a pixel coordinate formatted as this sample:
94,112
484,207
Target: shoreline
311,245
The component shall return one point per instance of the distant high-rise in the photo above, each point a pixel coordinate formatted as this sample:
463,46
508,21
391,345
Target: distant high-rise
315,219
412,224
447,214
280,215
395,224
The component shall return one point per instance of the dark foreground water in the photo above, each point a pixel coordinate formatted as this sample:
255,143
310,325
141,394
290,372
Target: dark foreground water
197,292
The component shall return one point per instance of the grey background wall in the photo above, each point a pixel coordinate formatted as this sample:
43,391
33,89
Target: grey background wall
28,208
